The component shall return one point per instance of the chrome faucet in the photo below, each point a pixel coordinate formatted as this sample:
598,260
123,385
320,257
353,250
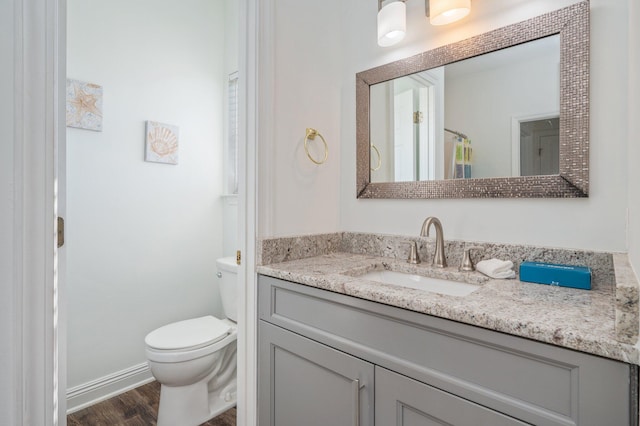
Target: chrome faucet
439,259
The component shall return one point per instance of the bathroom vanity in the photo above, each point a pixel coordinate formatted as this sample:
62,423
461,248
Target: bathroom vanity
338,348
326,358
341,343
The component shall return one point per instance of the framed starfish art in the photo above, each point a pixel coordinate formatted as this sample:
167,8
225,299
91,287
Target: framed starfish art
84,105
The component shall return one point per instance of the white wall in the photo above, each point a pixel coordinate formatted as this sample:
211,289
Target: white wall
597,222
7,276
142,238
634,135
296,195
231,49
299,197
230,229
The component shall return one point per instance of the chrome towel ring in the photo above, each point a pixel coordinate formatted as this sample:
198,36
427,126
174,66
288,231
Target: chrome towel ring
311,134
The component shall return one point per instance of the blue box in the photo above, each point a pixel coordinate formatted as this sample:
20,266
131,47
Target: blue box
560,275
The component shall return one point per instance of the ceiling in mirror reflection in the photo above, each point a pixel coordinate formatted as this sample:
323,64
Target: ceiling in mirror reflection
463,120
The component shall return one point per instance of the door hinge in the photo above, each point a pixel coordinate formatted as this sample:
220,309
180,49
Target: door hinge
418,117
238,257
60,231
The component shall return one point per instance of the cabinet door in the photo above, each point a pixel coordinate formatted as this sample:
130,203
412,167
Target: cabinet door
303,382
401,401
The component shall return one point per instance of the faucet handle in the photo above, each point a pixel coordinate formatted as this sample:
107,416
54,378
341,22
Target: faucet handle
467,263
413,253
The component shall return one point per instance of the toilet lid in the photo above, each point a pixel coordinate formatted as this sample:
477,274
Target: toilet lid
188,334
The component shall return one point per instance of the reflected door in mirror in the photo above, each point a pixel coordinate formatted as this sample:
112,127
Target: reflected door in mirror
540,147
403,128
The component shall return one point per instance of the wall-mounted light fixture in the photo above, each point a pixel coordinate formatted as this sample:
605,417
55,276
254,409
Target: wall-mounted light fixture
392,17
442,12
392,22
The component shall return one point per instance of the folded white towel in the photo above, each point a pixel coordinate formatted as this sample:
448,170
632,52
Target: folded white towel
496,268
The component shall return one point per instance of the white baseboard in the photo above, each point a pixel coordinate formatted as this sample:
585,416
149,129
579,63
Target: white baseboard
103,388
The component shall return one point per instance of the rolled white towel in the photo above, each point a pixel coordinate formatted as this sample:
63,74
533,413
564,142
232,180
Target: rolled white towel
496,268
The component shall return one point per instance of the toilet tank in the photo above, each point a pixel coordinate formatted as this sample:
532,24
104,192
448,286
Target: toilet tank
228,283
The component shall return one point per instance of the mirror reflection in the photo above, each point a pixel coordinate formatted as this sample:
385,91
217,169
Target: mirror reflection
493,115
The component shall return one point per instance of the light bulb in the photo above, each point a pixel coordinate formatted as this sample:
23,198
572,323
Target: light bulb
444,12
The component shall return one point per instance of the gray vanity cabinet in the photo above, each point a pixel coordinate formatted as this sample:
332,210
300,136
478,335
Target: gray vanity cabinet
313,343
311,384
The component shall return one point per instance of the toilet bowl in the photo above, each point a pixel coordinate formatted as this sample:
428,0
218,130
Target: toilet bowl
195,360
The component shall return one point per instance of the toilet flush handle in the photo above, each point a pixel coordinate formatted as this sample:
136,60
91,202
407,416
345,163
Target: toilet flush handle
219,274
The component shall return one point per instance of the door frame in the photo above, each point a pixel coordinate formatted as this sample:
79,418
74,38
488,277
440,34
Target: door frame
39,67
254,88
39,331
516,120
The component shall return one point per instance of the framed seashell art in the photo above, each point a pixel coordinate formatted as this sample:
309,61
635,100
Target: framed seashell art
84,105
161,143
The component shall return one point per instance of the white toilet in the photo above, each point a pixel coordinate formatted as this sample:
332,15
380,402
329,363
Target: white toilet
195,360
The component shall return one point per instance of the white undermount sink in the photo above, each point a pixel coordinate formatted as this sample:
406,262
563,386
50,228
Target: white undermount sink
419,282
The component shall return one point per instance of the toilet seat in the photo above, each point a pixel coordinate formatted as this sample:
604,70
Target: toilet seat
188,334
189,339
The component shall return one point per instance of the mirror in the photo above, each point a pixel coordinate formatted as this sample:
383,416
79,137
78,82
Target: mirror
503,114
491,99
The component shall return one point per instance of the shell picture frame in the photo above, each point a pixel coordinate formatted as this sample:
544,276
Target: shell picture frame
162,143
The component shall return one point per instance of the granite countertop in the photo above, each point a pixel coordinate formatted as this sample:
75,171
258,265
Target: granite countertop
582,320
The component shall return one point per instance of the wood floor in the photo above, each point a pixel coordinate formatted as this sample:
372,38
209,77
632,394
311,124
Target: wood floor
138,407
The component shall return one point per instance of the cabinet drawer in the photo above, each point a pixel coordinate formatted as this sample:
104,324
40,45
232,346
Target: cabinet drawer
531,381
402,401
